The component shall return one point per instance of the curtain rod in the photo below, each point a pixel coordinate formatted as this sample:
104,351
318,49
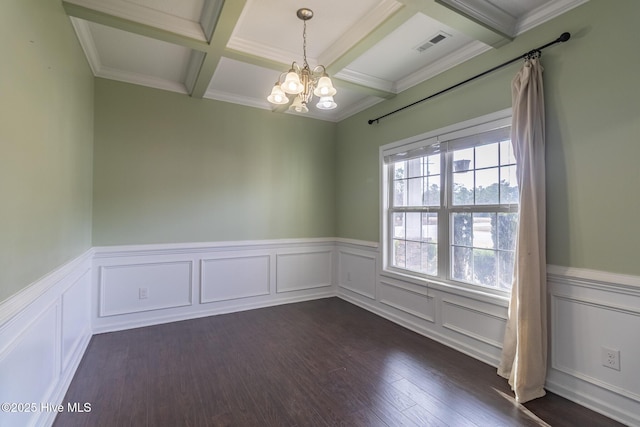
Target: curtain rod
563,38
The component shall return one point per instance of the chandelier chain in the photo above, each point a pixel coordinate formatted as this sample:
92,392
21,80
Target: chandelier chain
304,43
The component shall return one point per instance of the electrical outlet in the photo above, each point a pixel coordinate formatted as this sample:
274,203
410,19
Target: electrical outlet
143,293
611,358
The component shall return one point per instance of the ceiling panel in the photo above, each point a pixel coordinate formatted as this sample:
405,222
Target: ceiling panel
369,45
400,49
271,27
236,81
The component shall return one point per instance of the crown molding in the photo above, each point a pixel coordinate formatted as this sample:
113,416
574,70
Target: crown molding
359,106
265,51
248,101
141,79
87,43
484,12
545,13
366,80
145,15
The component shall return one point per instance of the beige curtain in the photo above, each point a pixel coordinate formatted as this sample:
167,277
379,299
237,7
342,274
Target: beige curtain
524,353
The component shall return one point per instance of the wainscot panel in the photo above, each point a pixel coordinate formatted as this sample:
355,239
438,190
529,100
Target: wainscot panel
44,331
357,272
151,284
224,279
409,299
473,319
130,288
303,270
592,311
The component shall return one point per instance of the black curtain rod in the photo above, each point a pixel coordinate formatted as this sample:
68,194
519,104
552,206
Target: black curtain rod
563,38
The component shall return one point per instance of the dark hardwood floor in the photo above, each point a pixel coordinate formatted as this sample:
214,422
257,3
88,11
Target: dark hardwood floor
317,363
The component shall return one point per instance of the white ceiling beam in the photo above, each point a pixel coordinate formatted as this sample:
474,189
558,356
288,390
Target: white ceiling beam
226,22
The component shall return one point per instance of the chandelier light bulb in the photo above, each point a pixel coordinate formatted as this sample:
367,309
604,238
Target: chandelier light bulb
326,103
292,83
277,96
325,87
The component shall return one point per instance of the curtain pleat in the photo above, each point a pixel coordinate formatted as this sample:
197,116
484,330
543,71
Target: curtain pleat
524,353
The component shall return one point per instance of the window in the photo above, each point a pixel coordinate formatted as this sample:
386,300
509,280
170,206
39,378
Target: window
450,205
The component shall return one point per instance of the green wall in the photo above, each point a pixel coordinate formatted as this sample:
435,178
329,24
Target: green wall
593,135
46,132
170,168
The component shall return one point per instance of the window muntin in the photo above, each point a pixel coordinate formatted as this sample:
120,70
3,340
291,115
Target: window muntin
452,210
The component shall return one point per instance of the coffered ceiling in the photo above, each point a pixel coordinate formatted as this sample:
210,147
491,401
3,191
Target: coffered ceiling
235,50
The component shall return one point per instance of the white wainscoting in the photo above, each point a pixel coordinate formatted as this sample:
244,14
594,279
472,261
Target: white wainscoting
590,310
468,322
231,278
151,284
44,331
298,271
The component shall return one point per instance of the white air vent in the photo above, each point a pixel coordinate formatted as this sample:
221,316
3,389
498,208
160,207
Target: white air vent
440,36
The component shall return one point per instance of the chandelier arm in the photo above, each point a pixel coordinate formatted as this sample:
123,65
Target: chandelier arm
320,69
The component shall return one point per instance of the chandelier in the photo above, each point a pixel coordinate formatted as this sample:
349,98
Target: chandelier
304,82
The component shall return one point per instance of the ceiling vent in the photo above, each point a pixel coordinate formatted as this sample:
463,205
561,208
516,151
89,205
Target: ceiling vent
440,36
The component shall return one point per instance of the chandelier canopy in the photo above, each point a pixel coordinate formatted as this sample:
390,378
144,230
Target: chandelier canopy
304,82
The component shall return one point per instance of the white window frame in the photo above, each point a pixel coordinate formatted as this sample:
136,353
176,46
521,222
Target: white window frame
471,127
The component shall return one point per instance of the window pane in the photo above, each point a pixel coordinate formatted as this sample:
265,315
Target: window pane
506,153
415,191
461,264
463,188
463,160
399,253
508,185
430,227
413,225
398,225
432,191
462,233
430,258
484,267
400,193
484,230
399,169
487,187
487,156
507,231
414,168
505,270
433,165
414,256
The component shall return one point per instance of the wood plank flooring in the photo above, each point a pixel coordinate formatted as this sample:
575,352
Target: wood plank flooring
317,363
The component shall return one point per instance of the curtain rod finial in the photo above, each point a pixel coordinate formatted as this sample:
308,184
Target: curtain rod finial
564,37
